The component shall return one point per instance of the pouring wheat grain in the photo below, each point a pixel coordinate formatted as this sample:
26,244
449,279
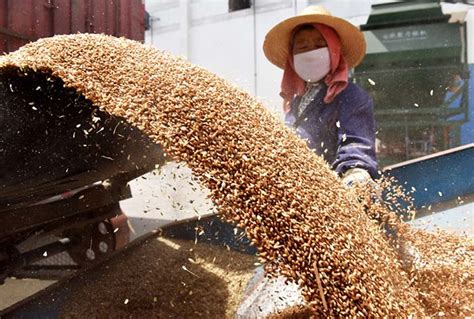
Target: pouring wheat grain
261,176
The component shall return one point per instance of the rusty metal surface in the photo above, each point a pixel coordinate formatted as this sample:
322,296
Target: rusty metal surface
28,20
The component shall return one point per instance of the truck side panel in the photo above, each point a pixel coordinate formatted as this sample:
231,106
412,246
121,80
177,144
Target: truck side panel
28,20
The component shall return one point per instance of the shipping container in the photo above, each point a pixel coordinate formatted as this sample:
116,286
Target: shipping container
28,20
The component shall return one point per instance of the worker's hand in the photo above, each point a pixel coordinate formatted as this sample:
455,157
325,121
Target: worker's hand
369,194
356,175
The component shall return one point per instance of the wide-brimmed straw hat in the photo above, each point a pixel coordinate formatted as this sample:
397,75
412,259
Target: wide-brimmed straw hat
278,39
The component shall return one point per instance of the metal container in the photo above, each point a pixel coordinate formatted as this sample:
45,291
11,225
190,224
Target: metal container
28,20
439,178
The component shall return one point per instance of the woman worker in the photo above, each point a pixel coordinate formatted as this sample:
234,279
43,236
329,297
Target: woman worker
316,50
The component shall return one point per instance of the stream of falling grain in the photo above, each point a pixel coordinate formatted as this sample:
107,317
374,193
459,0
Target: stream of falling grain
261,176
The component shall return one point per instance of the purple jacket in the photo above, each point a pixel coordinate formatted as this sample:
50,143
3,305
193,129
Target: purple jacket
343,131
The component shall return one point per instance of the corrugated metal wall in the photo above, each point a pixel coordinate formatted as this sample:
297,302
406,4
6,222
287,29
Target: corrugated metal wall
27,20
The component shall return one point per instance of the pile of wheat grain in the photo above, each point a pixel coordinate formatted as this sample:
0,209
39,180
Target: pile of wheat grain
444,276
261,176
440,265
162,278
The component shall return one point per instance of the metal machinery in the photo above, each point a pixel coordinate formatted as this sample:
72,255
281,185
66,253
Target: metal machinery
440,182
416,71
64,165
417,74
25,21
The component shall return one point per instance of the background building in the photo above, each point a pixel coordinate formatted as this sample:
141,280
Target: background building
226,37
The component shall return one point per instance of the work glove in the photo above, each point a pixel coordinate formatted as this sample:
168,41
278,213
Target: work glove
409,255
356,175
360,177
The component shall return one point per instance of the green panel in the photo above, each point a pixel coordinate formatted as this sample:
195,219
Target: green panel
405,60
414,60
414,88
399,13
413,37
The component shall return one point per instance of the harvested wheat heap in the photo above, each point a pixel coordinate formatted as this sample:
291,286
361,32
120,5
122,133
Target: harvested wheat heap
163,278
440,265
261,176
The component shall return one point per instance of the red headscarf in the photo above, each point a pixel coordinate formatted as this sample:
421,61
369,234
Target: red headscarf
336,79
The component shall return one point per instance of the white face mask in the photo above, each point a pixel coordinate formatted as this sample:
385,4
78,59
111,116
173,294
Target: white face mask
313,65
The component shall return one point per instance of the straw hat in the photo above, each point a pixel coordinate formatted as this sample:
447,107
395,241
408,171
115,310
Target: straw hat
277,40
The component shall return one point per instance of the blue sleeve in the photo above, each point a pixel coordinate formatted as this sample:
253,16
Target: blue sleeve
356,134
